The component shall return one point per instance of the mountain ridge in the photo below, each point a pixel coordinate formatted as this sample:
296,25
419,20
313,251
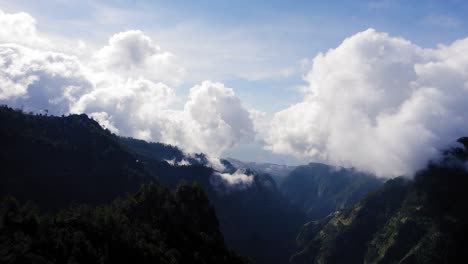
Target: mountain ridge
422,220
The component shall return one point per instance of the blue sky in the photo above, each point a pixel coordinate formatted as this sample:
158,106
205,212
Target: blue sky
258,45
261,49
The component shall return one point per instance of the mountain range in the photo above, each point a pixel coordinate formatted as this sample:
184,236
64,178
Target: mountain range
90,184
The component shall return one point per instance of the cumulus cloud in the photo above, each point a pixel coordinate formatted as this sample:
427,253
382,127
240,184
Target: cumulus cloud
217,117
123,87
20,28
212,121
133,54
38,80
378,103
131,106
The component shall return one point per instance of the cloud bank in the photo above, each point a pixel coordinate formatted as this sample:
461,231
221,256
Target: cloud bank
378,103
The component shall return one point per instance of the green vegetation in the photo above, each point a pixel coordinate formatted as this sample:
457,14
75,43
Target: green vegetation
58,162
418,221
75,172
152,226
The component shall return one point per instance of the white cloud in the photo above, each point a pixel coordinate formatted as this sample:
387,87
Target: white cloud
132,106
174,162
122,88
133,54
212,121
105,121
238,178
379,103
20,28
217,117
37,80
375,102
215,163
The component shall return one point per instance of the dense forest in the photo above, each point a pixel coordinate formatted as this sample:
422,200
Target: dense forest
151,226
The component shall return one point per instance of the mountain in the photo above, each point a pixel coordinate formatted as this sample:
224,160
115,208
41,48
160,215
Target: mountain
70,167
404,221
56,161
157,151
151,226
320,189
254,217
278,172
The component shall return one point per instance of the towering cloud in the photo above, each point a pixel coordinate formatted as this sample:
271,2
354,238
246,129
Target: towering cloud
217,116
379,103
212,121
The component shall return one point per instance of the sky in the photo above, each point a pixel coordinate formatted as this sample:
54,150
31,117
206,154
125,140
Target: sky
249,79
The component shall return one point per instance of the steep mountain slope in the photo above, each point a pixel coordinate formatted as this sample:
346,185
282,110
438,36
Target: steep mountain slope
56,161
419,221
320,189
152,226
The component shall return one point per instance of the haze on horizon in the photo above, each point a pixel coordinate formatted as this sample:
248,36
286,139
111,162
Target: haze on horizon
280,82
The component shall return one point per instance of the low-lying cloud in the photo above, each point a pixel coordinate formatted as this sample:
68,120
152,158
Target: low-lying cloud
378,103
226,182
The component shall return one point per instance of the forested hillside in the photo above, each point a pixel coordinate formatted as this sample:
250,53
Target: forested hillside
70,168
151,226
58,162
319,189
405,221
